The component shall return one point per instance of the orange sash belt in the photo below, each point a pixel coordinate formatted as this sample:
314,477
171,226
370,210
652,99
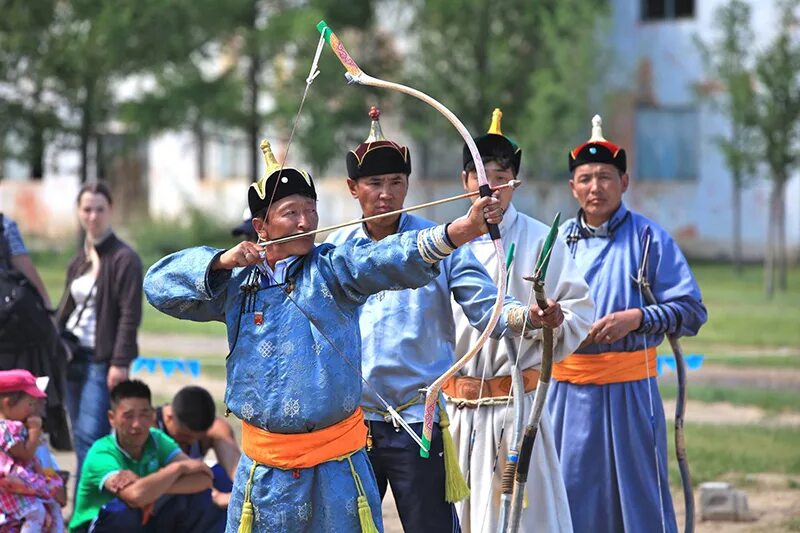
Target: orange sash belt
304,450
605,368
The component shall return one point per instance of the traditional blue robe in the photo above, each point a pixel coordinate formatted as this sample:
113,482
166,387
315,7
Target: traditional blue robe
282,374
607,437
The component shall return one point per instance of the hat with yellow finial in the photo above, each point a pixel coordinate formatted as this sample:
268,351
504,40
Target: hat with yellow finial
377,155
277,183
598,150
494,145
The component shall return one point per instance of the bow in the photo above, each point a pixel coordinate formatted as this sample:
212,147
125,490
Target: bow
680,404
526,450
354,74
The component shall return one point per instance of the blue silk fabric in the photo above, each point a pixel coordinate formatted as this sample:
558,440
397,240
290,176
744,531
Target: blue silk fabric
282,374
606,435
408,336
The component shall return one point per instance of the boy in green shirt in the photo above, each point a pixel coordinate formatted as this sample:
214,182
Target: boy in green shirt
125,474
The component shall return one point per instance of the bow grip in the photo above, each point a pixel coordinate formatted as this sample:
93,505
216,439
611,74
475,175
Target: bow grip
494,231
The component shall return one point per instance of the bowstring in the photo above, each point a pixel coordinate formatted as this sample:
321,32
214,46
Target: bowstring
312,75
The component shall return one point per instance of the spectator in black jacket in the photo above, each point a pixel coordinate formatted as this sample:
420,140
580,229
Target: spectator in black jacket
102,308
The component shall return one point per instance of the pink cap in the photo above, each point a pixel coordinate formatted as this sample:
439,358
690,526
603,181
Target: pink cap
22,381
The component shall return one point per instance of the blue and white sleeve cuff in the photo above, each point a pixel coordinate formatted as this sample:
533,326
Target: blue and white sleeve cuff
434,244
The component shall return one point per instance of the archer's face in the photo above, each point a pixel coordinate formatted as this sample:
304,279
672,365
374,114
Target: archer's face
289,216
496,176
598,188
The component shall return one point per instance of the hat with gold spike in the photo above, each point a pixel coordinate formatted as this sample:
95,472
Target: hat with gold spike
598,150
494,144
377,155
269,189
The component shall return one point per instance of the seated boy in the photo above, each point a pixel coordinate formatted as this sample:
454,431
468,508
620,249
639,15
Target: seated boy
191,420
129,475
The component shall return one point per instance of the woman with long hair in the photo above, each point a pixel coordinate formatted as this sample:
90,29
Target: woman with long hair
102,309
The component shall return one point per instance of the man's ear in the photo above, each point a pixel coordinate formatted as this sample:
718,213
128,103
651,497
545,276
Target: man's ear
352,186
625,180
572,188
111,418
464,180
261,228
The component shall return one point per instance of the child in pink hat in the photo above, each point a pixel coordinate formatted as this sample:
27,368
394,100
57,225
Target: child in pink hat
27,496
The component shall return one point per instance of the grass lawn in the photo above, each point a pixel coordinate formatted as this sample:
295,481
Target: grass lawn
772,401
750,359
740,315
722,451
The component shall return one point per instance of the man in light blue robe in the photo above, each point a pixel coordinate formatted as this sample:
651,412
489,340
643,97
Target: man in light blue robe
611,437
294,364
408,338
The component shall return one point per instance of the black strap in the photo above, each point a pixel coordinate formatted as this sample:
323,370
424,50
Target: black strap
85,302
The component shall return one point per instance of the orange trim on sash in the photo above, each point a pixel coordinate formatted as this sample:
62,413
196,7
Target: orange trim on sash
605,368
304,450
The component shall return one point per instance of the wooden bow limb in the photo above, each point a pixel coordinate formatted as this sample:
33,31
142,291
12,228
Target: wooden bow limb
354,74
513,184
529,438
680,402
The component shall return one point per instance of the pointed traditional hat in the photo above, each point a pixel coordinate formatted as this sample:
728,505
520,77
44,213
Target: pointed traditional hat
597,150
377,155
269,189
494,144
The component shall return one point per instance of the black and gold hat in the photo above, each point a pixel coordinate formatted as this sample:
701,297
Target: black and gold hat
495,144
269,189
598,150
377,155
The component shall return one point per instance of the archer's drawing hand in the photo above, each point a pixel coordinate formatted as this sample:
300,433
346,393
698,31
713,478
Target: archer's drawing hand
243,254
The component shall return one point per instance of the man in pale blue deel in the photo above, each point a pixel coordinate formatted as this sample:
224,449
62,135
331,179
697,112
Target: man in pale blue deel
612,437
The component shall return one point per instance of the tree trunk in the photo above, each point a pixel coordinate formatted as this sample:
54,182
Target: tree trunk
200,142
87,120
37,151
737,225
252,82
769,256
781,235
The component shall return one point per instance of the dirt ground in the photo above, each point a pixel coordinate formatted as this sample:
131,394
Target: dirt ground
773,504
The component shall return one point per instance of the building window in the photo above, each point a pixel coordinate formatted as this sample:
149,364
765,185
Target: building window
667,142
667,9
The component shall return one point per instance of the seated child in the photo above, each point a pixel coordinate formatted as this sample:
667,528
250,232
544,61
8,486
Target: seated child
28,496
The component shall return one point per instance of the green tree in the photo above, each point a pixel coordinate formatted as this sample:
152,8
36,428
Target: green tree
778,123
334,115
530,59
27,108
728,58
568,86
